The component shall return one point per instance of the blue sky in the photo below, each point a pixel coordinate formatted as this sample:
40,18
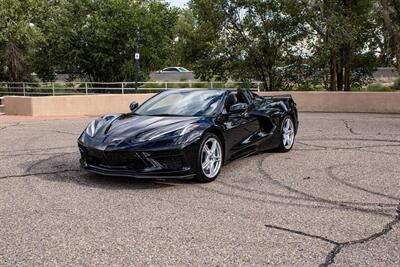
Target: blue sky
178,3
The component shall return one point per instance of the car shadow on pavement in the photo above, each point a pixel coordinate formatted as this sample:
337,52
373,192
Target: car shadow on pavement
65,168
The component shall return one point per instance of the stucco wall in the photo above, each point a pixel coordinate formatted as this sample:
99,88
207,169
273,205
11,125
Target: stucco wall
363,102
95,105
92,105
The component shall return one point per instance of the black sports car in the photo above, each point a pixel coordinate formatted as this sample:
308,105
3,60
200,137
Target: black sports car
188,134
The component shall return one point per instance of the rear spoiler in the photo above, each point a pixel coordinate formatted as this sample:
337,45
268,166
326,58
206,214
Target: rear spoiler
279,96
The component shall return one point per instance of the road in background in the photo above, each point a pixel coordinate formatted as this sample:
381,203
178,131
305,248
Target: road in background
333,199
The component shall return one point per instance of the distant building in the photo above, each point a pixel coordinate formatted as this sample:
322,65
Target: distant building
386,74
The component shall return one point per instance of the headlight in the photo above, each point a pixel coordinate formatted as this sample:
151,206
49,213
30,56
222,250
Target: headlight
92,128
95,125
169,132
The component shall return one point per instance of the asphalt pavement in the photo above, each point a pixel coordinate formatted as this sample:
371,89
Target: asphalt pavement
333,200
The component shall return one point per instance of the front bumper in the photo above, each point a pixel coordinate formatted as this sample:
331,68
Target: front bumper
133,174
165,164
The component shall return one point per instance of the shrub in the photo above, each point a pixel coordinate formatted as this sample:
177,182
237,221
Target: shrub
396,84
378,87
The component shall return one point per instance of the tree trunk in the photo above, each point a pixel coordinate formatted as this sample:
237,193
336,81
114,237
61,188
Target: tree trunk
333,72
270,80
383,53
264,79
347,67
340,70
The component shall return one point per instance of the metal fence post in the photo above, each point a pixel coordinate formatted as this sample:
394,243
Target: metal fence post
23,88
166,85
52,85
211,85
122,87
258,86
86,88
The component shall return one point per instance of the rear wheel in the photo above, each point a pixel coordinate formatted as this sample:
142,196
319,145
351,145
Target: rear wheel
287,134
209,159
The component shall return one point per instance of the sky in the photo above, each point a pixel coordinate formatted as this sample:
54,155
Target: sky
178,3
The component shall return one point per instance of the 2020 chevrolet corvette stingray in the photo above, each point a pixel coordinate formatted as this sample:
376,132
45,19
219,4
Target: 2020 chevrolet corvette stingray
188,133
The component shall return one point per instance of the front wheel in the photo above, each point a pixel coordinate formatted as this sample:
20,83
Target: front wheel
287,134
209,159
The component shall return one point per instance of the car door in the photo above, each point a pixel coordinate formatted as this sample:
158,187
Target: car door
240,130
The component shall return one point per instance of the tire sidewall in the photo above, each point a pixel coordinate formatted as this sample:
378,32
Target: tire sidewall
281,145
200,176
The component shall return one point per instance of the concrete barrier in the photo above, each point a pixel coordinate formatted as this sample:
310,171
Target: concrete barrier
87,105
354,102
95,105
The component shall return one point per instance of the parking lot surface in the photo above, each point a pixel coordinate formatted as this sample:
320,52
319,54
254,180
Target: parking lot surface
333,200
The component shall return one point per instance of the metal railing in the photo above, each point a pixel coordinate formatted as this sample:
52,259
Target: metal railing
89,88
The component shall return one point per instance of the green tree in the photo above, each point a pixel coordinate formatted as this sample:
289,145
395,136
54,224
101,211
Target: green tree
339,35
96,38
19,35
391,18
243,40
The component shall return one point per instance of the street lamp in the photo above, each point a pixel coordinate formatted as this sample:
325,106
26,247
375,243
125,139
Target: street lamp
137,59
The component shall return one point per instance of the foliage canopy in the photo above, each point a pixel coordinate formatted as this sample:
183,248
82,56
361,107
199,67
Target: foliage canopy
286,44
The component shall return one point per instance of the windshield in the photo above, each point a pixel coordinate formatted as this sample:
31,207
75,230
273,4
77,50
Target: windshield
182,103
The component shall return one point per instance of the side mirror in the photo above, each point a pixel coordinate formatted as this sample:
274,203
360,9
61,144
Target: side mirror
133,106
238,108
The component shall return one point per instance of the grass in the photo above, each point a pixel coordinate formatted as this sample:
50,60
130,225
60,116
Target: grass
377,87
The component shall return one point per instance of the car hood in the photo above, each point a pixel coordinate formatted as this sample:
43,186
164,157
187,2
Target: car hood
132,126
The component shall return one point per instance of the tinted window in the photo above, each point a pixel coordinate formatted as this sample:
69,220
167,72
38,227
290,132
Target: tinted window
171,69
182,103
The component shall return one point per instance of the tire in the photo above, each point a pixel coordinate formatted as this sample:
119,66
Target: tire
209,159
287,135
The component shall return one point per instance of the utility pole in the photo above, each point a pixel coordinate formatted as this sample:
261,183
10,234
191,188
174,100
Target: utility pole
137,59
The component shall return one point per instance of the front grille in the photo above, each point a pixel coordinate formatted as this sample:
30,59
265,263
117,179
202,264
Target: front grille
130,160
115,159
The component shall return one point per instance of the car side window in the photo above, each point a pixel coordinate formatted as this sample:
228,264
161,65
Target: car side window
169,69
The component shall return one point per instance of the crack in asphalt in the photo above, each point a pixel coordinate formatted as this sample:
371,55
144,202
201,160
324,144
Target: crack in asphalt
36,149
12,125
38,173
339,246
330,259
345,148
35,154
351,139
348,127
